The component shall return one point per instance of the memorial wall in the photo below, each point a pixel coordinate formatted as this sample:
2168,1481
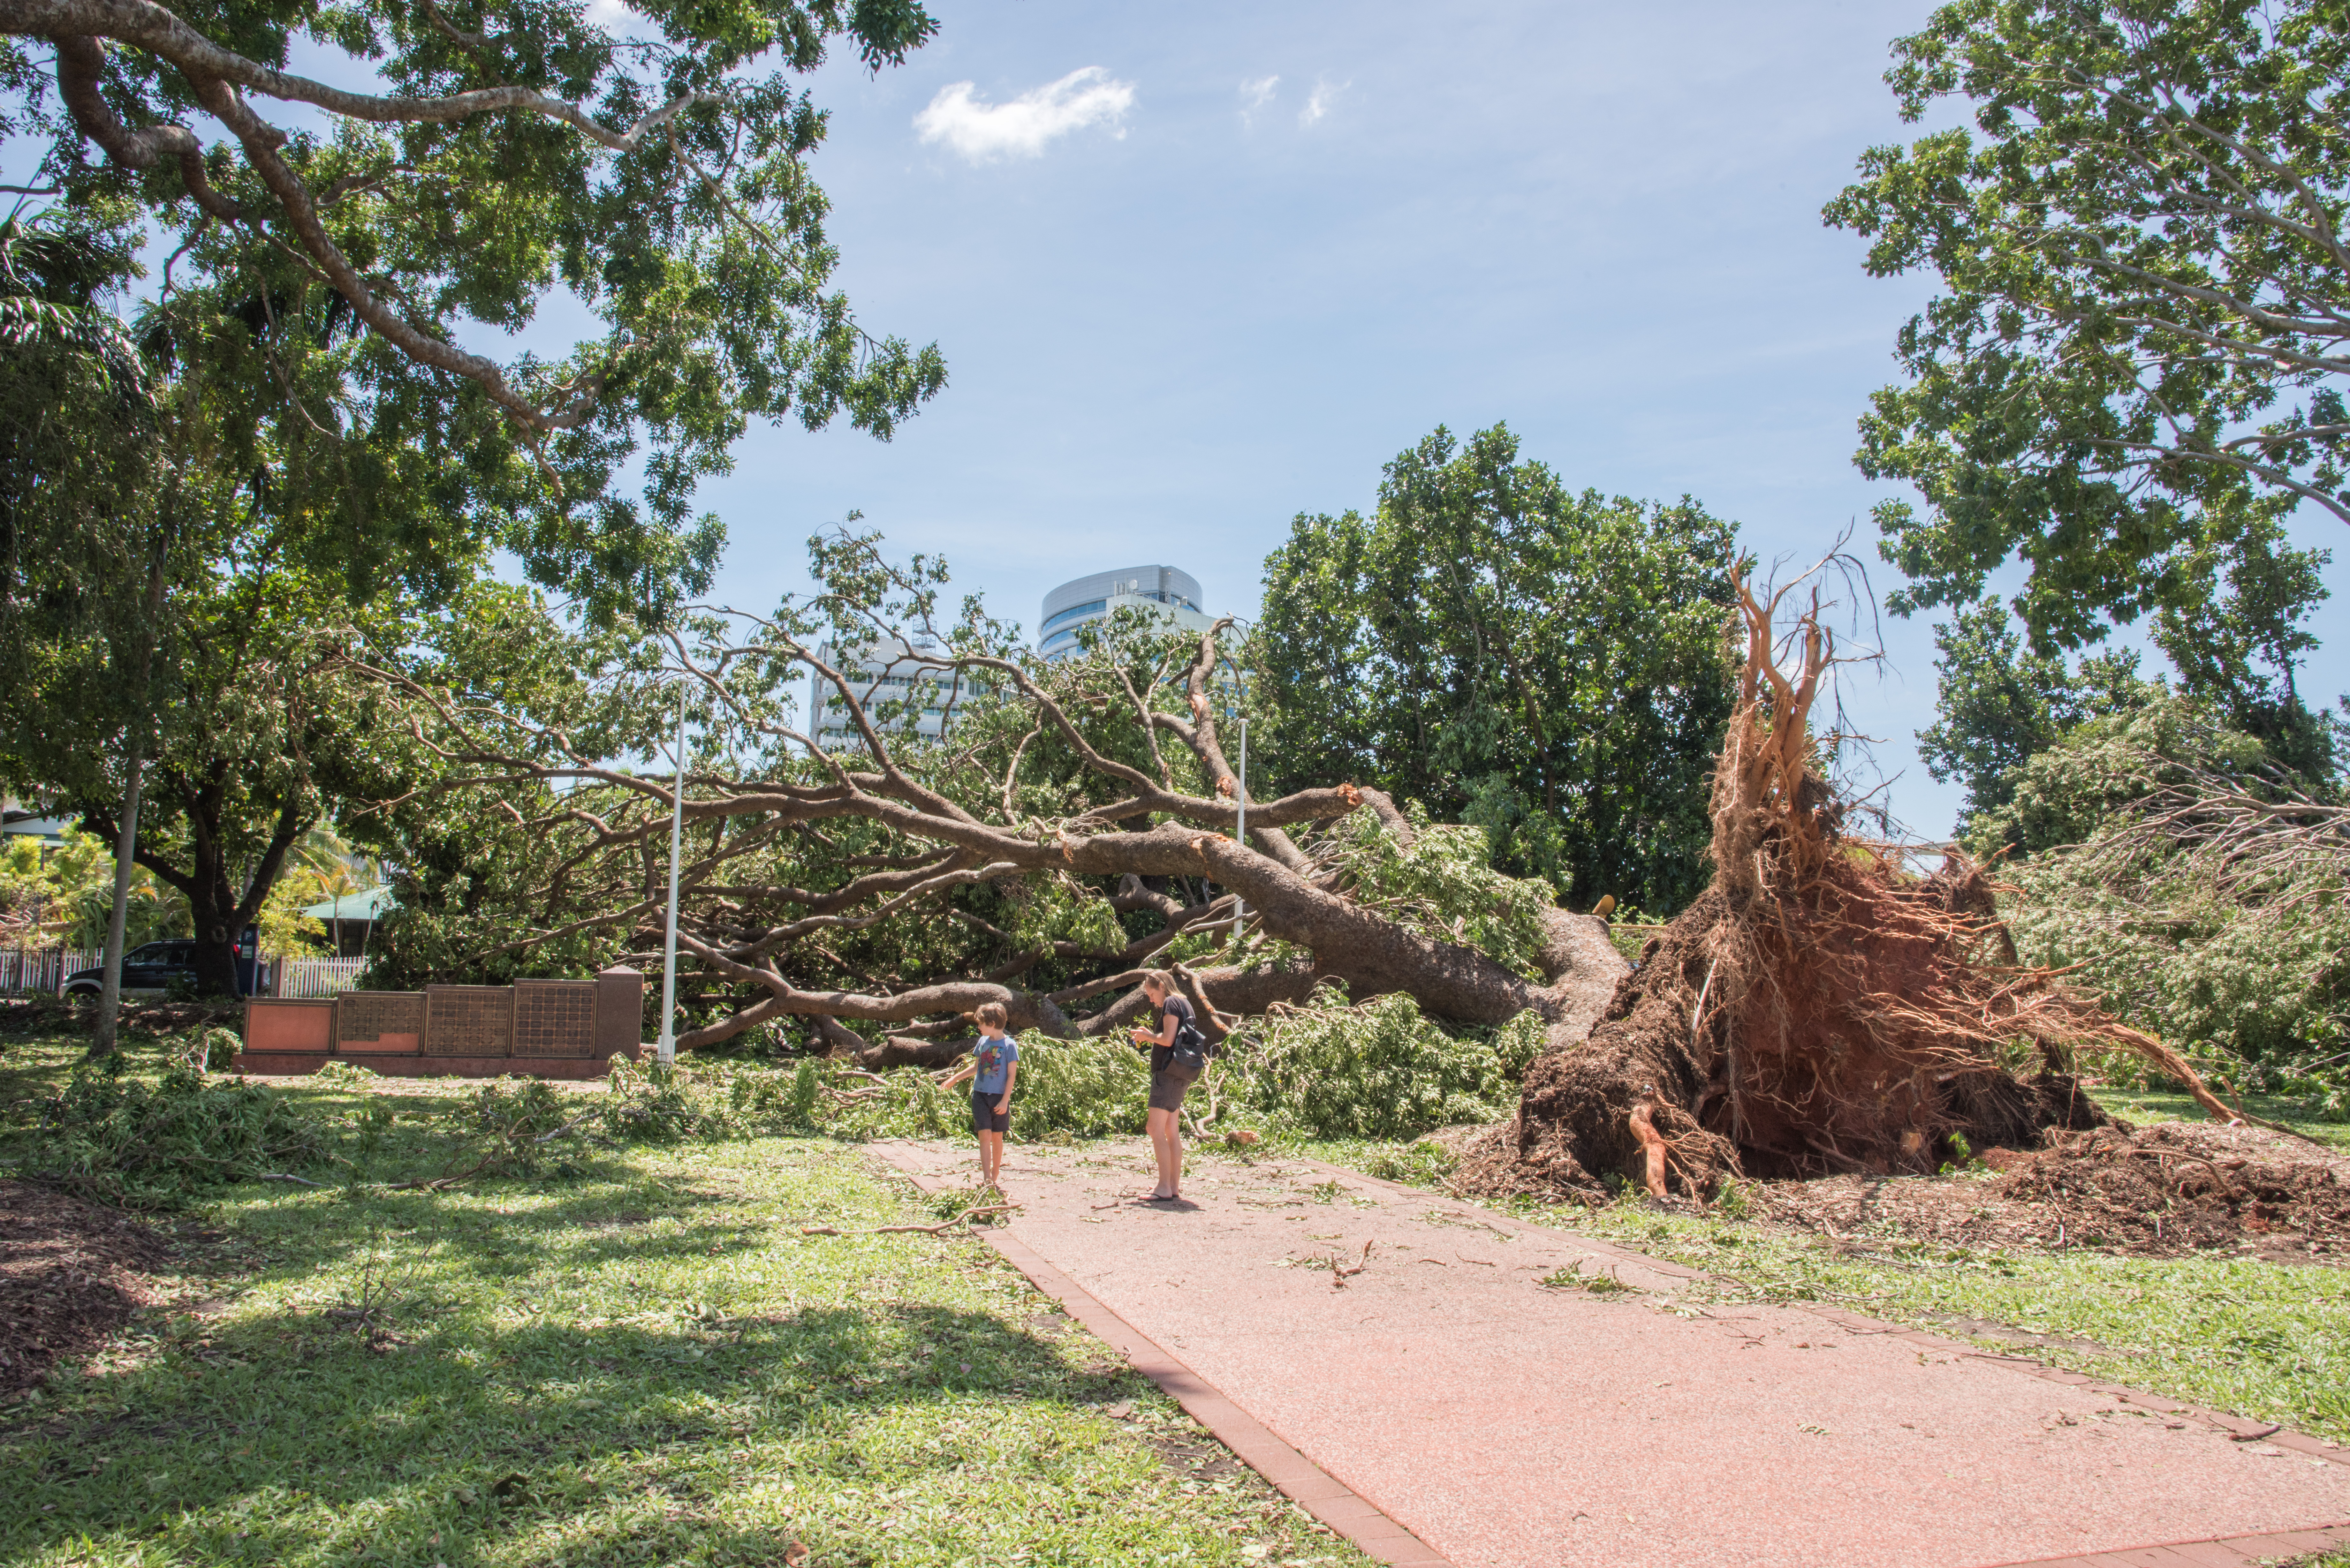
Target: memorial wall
539,1028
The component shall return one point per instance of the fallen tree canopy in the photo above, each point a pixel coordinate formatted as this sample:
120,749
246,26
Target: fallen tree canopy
1816,1011
1076,827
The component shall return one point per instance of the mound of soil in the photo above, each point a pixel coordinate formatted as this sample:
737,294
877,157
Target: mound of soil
71,1274
2156,1191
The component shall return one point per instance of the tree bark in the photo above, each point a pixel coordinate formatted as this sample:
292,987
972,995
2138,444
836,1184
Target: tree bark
104,1041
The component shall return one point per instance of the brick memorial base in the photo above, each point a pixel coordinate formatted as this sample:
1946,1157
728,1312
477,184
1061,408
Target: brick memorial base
537,1028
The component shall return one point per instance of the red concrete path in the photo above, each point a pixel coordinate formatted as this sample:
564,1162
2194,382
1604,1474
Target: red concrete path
1510,1426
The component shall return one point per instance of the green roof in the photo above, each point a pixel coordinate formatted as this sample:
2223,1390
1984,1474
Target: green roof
367,905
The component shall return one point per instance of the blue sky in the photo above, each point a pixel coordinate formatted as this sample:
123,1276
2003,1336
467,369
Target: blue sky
1276,244
1243,255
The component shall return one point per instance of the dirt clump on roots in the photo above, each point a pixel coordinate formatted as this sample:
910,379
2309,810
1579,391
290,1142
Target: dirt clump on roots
2155,1191
2170,1187
1818,1011
71,1273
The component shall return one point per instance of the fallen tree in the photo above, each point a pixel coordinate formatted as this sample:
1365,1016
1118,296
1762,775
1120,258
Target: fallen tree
1078,825
1816,1010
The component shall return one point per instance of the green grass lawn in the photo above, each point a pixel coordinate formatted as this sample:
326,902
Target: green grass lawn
641,1359
641,1362
2155,1105
2263,1340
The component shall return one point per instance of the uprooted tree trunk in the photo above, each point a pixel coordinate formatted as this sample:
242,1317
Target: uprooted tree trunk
1815,1009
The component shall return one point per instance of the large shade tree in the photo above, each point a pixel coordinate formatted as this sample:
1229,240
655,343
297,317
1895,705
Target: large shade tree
1546,664
329,460
182,638
2140,353
458,170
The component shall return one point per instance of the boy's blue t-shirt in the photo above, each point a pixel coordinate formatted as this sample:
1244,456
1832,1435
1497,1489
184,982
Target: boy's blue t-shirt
995,1059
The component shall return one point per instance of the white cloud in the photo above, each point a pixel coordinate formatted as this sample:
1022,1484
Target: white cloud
1318,103
984,132
1254,96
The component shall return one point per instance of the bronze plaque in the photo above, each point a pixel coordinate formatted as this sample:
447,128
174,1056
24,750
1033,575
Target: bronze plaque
555,1018
381,1021
271,1025
468,1020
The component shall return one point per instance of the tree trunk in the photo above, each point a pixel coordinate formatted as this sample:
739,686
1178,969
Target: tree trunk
216,933
219,910
104,1042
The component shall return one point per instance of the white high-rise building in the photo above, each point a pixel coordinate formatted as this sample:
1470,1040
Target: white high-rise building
1166,593
886,671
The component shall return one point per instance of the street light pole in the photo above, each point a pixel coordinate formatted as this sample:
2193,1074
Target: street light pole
1239,905
666,1053
1239,711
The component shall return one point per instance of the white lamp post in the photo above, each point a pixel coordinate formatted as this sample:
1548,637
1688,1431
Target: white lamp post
666,1053
1239,905
1240,685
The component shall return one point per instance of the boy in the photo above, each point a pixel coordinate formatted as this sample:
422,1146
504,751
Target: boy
994,1068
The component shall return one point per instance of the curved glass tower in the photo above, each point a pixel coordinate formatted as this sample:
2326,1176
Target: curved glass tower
1165,592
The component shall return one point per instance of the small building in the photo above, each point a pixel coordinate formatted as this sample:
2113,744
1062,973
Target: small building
19,820
350,918
905,688
1166,593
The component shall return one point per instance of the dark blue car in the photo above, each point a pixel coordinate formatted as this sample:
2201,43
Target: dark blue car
157,967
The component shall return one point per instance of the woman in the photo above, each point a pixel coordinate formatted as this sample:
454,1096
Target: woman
1167,1082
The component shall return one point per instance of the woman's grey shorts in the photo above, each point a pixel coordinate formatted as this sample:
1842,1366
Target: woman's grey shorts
1168,1087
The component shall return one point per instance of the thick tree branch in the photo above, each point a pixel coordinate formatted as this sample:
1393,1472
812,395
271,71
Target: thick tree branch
158,32
81,63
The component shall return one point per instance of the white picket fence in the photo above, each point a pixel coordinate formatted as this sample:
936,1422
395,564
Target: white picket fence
314,977
40,970
24,970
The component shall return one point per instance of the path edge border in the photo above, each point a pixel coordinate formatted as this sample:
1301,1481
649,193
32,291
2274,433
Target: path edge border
2212,1552
2218,1551
2243,1428
1330,1500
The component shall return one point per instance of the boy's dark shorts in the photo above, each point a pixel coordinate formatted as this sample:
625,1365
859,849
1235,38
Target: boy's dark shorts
985,1117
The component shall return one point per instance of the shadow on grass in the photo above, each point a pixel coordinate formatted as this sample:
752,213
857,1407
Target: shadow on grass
560,1364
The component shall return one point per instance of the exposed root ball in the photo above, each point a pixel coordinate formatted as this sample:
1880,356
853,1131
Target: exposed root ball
1816,1011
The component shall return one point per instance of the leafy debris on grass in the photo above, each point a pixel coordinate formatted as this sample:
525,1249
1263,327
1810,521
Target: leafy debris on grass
71,1273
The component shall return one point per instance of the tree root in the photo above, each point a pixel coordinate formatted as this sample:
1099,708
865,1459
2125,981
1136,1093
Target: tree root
1652,1146
1819,1008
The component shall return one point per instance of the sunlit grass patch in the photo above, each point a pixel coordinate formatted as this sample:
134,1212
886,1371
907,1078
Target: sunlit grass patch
641,1359
2155,1105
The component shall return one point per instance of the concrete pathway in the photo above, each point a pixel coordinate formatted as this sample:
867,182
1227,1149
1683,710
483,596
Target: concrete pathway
1449,1407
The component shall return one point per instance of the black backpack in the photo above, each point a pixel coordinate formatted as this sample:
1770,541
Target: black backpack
1190,1052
